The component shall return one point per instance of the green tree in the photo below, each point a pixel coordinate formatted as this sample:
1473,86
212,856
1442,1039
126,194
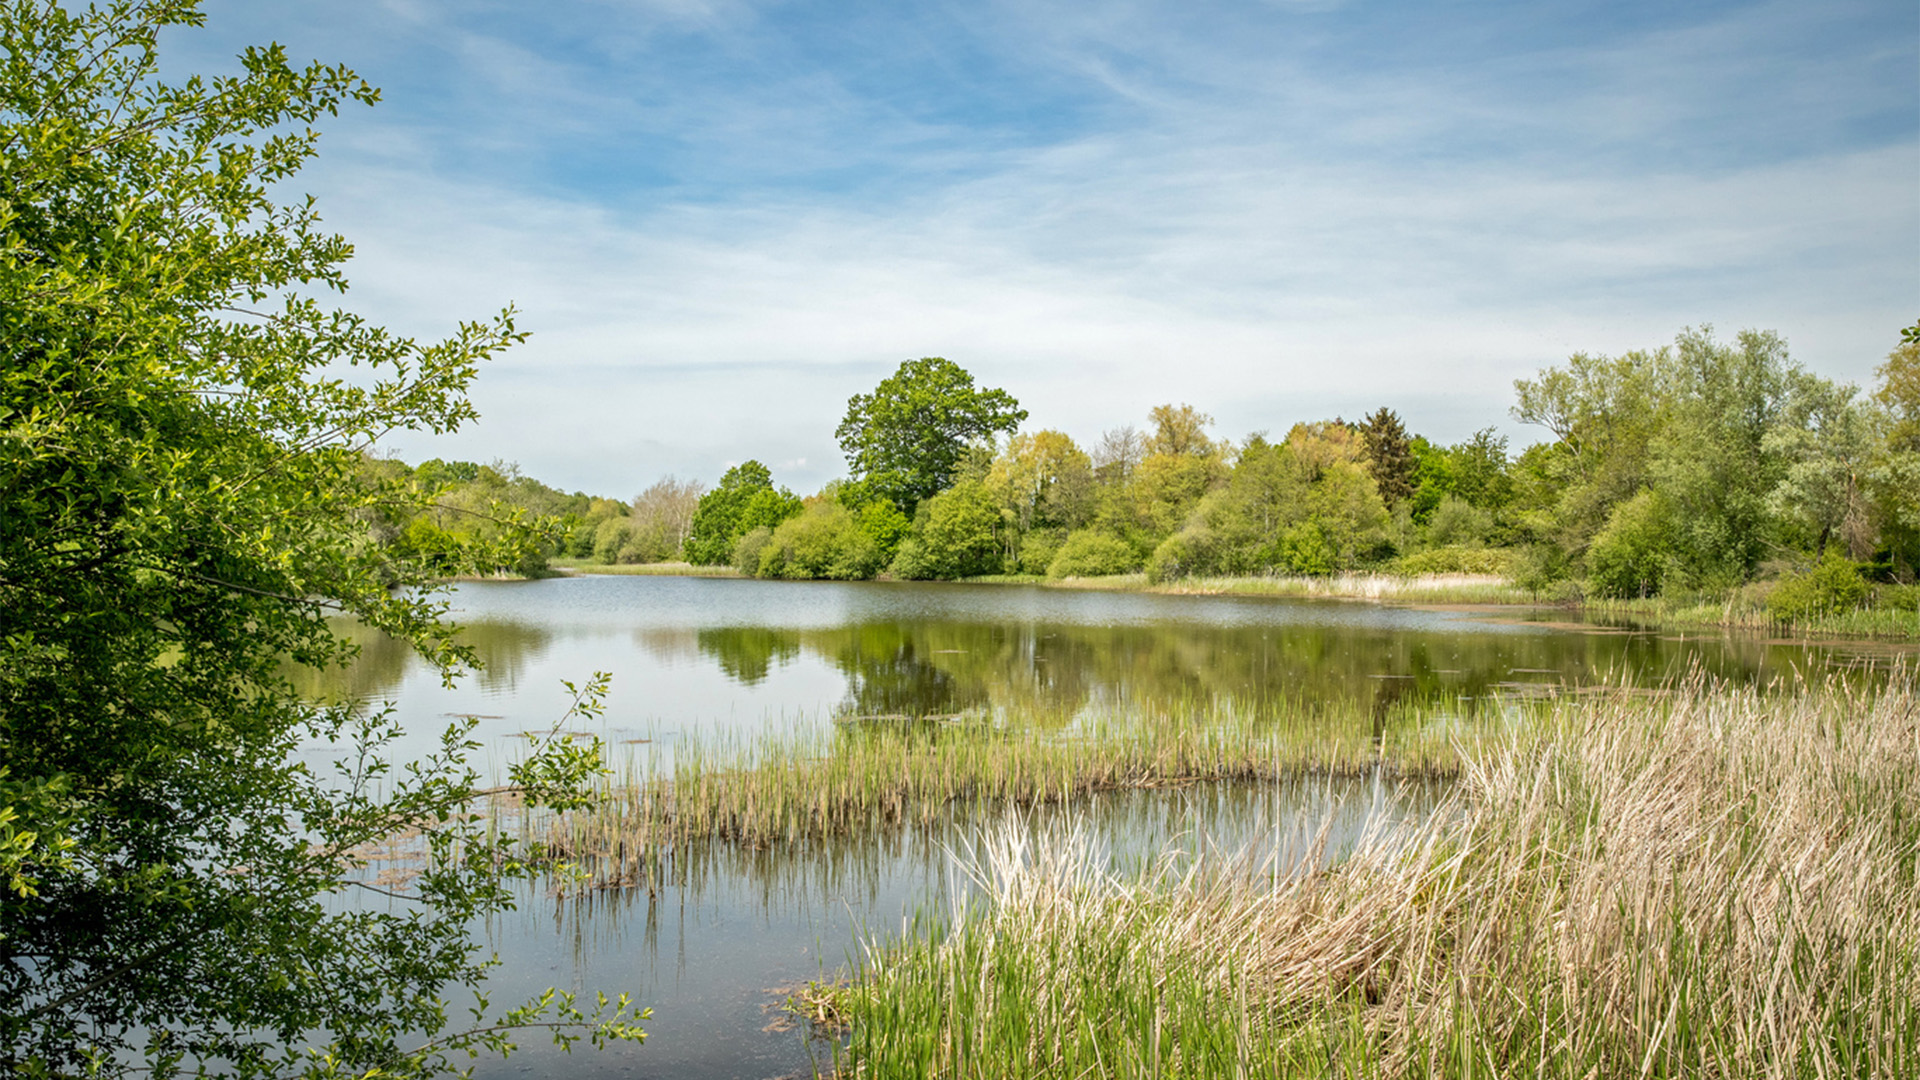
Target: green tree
955,535
1179,429
905,441
184,501
744,500
1390,457
1895,471
824,541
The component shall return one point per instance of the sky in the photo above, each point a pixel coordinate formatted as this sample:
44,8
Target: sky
719,219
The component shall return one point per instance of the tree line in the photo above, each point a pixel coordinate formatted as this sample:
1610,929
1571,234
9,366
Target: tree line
1696,468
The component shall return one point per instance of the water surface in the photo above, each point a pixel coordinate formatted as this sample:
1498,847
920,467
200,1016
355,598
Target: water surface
715,946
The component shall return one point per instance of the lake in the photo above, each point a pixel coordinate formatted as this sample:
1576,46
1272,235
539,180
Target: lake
715,948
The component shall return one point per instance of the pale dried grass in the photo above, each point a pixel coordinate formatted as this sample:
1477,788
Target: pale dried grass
1720,883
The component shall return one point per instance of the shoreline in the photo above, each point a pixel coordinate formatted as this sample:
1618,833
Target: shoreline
1472,593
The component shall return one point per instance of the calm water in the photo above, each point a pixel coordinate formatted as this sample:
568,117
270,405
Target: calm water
716,949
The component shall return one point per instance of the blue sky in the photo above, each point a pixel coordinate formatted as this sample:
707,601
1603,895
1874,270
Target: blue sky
720,219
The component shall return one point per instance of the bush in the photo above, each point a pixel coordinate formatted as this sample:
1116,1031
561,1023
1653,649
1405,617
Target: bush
825,541
1037,550
611,538
1629,556
1831,586
1459,560
1180,555
1090,553
1892,597
1458,523
747,549
955,536
1304,549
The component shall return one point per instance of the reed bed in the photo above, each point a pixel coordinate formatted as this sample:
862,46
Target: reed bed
1420,589
1720,883
813,784
1744,612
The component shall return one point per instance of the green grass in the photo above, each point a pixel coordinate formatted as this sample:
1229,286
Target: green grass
1740,611
808,784
1423,589
1719,883
663,569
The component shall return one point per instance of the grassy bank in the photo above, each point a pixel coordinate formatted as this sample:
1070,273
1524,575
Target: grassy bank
1739,611
1717,884
662,569
1418,589
810,784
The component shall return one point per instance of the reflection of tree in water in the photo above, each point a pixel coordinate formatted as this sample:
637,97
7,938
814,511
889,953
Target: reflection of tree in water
1049,673
895,669
748,653
503,648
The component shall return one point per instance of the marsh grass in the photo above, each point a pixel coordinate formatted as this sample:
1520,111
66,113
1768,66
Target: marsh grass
1717,883
1415,589
1739,611
1421,589
662,569
811,784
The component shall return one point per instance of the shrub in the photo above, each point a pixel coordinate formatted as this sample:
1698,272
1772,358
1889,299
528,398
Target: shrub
954,536
1304,549
825,541
1458,523
1089,553
1037,550
1459,560
1180,555
747,549
611,537
1629,556
1829,587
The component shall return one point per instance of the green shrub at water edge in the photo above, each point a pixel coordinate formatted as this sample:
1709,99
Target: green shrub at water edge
1458,560
1091,553
1829,587
825,541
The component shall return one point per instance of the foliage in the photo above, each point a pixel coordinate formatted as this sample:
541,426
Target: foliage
954,536
1390,458
748,550
1459,560
1042,481
904,441
1459,523
745,499
1179,430
185,497
585,533
1038,548
662,517
1631,556
467,518
1830,586
1090,553
824,541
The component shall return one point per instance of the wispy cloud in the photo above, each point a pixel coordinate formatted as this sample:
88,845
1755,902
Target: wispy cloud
720,220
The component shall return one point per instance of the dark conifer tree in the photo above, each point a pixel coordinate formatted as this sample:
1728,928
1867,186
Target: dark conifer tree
1389,454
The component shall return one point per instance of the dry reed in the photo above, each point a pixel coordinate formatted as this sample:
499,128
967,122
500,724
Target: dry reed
1721,883
810,784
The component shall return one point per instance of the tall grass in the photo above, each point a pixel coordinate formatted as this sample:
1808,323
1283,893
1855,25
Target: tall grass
1721,883
810,784
661,569
1423,588
1744,611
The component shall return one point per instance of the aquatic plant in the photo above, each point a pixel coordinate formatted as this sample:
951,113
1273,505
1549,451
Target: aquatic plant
1713,884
